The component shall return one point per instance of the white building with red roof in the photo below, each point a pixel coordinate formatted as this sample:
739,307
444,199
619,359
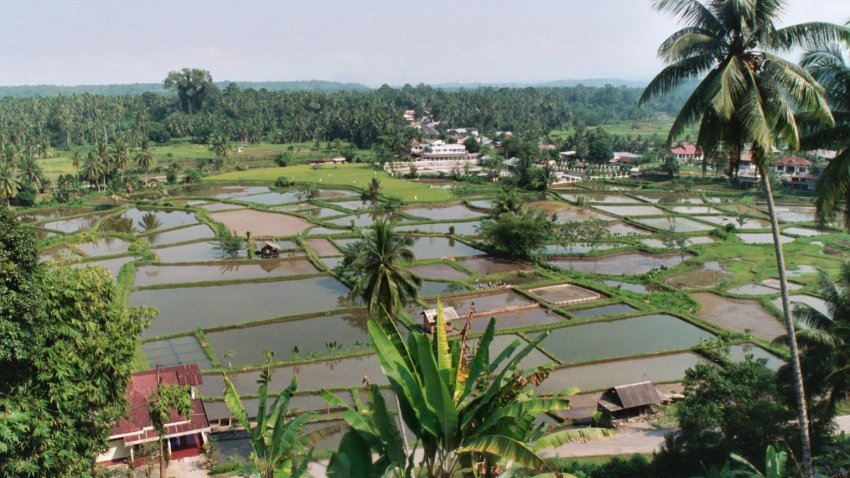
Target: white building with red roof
792,165
686,152
184,436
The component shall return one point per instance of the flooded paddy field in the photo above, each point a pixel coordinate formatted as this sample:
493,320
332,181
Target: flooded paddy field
39,215
439,271
147,275
748,223
738,353
135,221
194,252
442,213
630,263
677,224
662,368
75,224
260,223
612,309
740,315
468,228
112,265
291,339
186,234
176,351
565,294
188,308
312,376
641,210
106,246
439,247
622,338
486,265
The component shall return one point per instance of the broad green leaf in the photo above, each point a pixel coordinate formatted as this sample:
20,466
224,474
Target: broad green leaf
562,437
506,448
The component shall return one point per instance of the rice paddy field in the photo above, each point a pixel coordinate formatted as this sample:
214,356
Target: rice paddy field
631,307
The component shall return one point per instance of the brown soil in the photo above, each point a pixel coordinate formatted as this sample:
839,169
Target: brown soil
739,315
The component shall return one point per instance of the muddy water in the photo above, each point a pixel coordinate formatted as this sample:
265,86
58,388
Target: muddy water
765,238
565,294
309,335
261,223
739,352
272,198
695,210
488,265
603,310
464,228
195,252
342,373
139,221
627,286
82,223
158,274
485,304
437,247
632,210
53,213
106,246
182,309
739,315
622,338
438,271
176,351
665,368
630,263
112,265
191,233
322,247
679,224
441,213
749,223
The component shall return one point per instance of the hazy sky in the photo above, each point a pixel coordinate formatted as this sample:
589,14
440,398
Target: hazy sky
369,41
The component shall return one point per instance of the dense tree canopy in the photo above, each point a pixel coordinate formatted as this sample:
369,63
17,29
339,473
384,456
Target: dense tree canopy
66,352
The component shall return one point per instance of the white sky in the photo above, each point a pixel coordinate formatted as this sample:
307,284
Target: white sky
369,41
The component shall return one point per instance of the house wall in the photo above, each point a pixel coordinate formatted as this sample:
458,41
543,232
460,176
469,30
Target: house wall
116,451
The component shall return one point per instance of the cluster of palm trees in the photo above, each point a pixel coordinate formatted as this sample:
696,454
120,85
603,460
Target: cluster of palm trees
104,162
18,171
751,98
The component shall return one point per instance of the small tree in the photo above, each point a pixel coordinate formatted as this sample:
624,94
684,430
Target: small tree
229,244
519,236
165,400
276,440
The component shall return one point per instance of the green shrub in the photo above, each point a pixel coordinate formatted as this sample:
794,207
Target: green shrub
283,182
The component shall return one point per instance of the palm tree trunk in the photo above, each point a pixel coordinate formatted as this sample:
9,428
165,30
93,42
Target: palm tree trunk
799,391
161,459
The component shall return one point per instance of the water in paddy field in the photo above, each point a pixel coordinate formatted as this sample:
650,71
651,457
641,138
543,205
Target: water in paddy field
106,246
136,221
632,210
187,308
438,271
441,213
623,338
603,310
630,263
679,224
191,233
469,228
437,247
663,368
194,252
312,334
82,223
147,275
53,213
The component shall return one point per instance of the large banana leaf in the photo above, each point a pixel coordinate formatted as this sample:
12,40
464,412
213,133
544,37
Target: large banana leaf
506,448
436,392
563,437
526,408
234,404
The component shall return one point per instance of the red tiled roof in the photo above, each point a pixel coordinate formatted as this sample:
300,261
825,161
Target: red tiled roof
684,149
793,161
137,420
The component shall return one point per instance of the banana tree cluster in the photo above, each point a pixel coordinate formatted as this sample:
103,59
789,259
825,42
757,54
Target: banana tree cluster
467,415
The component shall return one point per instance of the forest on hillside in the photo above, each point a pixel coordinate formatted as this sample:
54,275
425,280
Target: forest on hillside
201,109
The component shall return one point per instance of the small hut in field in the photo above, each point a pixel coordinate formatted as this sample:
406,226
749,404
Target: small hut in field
269,250
429,318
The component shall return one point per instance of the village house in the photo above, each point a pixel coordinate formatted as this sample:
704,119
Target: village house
629,401
320,161
435,158
459,134
792,165
184,436
429,318
686,152
624,157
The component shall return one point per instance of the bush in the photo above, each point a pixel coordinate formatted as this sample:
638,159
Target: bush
283,159
282,182
636,466
241,167
192,176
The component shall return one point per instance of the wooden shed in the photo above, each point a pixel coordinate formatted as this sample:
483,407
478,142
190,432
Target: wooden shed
627,401
269,250
429,318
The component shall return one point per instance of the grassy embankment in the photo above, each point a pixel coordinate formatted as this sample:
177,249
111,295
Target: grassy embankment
349,175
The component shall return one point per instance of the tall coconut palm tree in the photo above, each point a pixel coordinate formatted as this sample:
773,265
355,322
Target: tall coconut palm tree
91,169
747,98
10,182
144,158
384,283
825,340
31,173
374,189
829,65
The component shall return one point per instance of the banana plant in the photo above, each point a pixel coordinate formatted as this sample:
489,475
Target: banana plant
276,439
466,412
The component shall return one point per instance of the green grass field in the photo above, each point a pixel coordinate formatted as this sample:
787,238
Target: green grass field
659,126
57,165
354,175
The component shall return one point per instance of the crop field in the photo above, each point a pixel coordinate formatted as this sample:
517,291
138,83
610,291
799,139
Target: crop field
630,306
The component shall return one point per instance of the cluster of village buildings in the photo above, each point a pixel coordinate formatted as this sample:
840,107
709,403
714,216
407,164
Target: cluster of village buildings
436,157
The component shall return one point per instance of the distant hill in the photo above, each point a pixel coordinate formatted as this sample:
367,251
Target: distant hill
25,91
